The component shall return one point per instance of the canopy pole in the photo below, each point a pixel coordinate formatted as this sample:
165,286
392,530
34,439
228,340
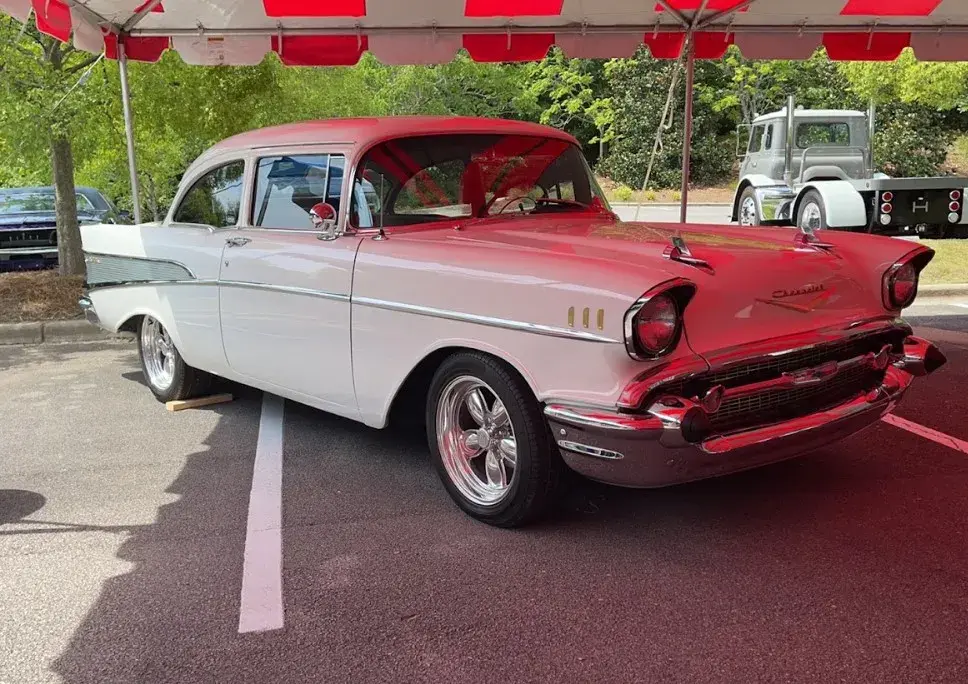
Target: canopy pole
129,130
687,124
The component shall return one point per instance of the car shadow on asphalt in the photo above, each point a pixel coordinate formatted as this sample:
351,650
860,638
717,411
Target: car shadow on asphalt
873,504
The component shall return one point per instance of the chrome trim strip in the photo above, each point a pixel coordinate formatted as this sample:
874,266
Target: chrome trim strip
91,287
28,250
287,288
587,450
597,419
490,321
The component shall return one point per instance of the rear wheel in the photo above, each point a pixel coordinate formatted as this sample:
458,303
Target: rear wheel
490,444
749,213
812,214
169,378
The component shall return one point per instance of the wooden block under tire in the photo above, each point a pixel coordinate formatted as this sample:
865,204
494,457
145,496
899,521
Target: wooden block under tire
195,403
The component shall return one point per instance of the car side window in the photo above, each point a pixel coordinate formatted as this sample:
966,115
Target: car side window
768,142
289,186
756,139
215,198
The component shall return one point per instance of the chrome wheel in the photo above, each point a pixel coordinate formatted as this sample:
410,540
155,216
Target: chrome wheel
810,216
476,441
747,212
159,354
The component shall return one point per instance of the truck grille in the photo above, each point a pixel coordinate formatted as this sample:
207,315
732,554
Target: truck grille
785,403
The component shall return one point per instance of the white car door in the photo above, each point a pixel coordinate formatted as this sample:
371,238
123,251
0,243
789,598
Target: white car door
284,293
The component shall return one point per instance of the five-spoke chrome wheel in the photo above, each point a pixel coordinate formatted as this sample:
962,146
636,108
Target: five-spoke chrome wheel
476,440
158,354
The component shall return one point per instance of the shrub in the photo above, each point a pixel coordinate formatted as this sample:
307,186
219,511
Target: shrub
622,193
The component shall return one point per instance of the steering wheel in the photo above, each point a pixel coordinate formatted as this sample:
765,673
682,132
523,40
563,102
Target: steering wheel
520,201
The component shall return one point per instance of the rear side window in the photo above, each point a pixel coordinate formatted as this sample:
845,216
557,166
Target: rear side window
288,186
215,198
820,134
768,143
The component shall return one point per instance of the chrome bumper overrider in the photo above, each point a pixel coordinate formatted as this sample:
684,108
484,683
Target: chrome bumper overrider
671,441
87,306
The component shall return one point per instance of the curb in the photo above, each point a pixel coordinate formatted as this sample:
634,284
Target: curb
671,204
55,331
944,290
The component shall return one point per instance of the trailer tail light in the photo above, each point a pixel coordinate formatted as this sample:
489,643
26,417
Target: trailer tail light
887,208
955,195
954,206
889,196
953,217
900,283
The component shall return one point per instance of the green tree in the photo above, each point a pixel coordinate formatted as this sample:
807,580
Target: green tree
38,115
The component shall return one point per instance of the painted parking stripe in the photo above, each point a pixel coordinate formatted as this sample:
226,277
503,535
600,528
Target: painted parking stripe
926,432
261,603
959,305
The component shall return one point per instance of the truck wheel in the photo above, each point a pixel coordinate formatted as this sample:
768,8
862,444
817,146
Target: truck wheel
812,213
169,377
490,443
749,213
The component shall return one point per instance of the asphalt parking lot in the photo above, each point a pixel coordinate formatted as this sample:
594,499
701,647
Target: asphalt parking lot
129,551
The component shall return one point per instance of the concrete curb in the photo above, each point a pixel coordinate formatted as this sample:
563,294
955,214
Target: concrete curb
944,290
55,331
671,204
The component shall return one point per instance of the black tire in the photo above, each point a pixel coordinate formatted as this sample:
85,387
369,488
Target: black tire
187,382
812,197
537,473
749,194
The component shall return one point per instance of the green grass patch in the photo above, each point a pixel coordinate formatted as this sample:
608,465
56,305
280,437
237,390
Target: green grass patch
950,263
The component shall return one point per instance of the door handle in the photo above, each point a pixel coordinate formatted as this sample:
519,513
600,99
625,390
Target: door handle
237,241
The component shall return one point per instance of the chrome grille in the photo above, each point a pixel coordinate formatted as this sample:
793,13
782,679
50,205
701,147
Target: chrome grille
28,237
780,404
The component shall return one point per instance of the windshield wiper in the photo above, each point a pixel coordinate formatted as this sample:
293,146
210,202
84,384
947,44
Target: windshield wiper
562,202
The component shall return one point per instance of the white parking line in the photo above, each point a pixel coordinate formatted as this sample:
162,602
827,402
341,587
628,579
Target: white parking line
261,605
959,305
926,432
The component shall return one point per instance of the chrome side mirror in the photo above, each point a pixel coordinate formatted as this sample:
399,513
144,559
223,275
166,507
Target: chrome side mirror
323,216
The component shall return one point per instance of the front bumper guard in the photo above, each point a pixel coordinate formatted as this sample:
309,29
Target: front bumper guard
671,441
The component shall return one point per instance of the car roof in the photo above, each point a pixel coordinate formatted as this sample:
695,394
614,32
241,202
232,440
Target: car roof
365,131
810,114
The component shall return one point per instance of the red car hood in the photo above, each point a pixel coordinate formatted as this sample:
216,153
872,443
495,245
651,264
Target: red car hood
761,285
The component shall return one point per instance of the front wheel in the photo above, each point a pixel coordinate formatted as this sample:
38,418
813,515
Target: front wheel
749,213
169,378
490,444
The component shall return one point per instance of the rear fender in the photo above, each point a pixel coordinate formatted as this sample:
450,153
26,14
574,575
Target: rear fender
844,205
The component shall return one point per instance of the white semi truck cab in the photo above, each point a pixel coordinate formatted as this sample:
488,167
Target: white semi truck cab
815,169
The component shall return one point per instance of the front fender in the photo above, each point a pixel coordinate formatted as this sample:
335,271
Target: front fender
844,205
756,180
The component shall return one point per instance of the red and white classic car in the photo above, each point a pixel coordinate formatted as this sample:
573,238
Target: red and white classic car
469,274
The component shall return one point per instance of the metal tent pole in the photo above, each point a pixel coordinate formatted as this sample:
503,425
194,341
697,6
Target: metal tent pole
687,134
129,131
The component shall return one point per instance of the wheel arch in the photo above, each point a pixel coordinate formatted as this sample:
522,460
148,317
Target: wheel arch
410,395
843,204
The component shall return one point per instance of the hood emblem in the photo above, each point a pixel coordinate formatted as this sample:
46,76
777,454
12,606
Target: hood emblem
679,251
806,239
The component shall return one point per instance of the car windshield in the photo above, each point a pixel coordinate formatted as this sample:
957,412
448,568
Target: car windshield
23,202
423,179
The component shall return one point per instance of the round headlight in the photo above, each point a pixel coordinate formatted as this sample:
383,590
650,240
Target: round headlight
656,325
903,286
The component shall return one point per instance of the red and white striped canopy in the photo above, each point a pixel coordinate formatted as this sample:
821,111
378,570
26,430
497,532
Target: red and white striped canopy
337,32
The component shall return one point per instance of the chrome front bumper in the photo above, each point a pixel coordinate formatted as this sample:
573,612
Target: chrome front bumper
671,442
